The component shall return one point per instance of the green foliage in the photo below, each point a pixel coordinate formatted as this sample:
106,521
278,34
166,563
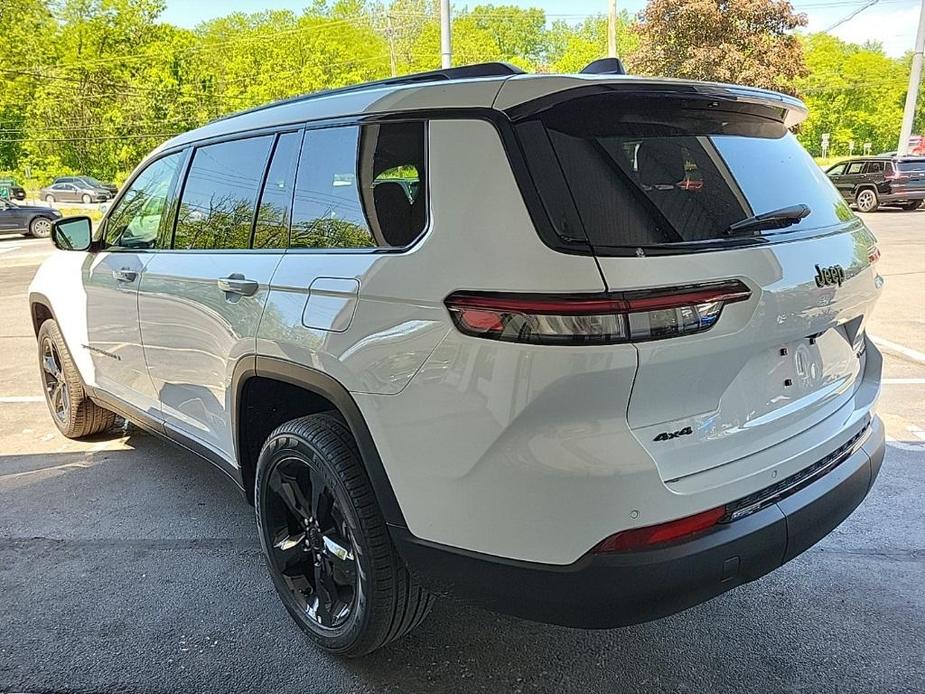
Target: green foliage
854,93
91,86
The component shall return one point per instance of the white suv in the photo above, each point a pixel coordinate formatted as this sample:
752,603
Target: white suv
585,349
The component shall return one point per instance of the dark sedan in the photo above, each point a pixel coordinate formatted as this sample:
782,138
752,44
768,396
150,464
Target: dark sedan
32,220
12,190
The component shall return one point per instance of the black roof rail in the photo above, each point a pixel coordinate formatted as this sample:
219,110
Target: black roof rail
452,73
604,66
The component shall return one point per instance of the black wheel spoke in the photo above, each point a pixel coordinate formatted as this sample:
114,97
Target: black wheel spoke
291,493
340,555
324,605
50,366
319,504
286,542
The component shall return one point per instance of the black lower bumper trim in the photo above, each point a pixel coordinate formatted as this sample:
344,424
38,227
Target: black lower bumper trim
609,590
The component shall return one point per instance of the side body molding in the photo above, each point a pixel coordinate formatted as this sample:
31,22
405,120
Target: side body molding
324,385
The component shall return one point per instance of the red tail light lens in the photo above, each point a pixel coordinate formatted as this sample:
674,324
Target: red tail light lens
579,319
873,255
650,536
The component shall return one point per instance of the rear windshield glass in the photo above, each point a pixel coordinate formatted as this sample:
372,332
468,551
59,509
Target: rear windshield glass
633,173
911,165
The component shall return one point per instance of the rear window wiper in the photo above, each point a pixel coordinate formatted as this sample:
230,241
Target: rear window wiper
775,219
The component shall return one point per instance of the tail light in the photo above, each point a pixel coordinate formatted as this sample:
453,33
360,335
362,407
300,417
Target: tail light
589,319
653,535
873,255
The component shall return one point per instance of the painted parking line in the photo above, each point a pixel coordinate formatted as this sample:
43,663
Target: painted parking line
7,249
900,350
23,398
903,381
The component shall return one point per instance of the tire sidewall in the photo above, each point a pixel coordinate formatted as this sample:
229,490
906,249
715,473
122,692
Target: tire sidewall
49,331
287,445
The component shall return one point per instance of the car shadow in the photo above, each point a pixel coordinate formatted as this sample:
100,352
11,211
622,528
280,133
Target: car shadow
132,562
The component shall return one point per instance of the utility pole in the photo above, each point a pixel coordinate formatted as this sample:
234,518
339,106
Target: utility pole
446,51
915,78
612,29
391,35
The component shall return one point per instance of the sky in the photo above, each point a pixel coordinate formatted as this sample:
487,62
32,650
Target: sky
892,22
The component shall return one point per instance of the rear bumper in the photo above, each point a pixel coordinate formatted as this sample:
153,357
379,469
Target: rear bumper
609,590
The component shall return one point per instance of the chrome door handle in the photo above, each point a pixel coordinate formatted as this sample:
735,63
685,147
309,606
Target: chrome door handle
238,284
125,275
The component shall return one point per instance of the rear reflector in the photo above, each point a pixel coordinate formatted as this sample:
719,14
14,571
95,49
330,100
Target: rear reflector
653,535
578,319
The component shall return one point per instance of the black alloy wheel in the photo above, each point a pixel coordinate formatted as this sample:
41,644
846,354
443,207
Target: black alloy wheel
56,393
309,542
326,543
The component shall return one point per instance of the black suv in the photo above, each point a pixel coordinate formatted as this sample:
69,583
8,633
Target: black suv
11,190
874,181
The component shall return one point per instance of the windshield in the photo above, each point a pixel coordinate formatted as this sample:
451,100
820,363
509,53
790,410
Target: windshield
91,181
647,174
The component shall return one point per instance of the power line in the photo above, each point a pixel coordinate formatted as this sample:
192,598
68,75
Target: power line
137,136
851,15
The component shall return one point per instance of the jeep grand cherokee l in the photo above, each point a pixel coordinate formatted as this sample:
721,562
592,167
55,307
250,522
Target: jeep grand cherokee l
476,333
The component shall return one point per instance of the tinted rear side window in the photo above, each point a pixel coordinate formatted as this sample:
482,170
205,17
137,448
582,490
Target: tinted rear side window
652,172
907,166
360,187
220,195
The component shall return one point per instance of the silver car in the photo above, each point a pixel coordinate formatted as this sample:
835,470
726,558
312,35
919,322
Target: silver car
74,192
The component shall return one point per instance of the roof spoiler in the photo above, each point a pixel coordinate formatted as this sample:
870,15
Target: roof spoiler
604,66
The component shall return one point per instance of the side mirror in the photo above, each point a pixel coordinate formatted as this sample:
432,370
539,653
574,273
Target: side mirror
72,233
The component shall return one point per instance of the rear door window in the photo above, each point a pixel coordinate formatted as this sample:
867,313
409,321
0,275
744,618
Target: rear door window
642,174
220,194
874,167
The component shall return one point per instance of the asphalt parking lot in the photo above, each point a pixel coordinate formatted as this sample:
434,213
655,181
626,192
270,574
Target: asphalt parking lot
128,565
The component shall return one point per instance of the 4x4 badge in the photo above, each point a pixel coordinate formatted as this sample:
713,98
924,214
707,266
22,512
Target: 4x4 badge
665,435
827,276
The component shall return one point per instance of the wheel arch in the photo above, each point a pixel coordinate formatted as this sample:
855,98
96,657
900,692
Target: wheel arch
39,309
296,391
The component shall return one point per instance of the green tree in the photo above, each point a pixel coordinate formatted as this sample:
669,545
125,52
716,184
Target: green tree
571,47
854,93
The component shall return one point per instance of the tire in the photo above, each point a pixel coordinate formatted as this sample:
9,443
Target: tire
373,600
867,200
911,206
40,227
73,412
86,199
50,199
